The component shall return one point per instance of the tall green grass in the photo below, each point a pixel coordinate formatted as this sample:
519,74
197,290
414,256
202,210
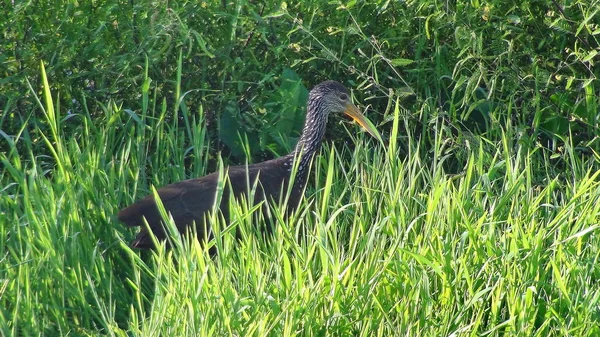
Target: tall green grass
386,242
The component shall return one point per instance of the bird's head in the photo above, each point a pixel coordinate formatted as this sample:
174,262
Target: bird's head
333,97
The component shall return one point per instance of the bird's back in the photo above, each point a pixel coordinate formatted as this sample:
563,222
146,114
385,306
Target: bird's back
190,201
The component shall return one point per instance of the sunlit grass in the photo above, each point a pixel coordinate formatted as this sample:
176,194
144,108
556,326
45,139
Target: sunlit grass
385,243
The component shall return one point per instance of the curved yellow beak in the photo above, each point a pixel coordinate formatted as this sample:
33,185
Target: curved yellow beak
352,111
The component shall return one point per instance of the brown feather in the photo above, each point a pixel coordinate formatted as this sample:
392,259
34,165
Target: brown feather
190,201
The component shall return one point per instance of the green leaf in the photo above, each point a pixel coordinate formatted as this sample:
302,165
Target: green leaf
287,111
401,62
230,128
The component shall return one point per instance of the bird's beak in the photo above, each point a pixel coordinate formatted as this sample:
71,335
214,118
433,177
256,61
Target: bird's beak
352,111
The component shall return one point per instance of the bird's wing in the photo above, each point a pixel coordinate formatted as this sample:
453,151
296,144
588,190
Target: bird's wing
186,201
189,201
270,180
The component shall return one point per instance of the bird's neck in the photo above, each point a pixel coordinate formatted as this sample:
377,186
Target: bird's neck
309,142
312,133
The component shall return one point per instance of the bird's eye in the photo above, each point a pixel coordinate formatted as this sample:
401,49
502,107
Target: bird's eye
343,97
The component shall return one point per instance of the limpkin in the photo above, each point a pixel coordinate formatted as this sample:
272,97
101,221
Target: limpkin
190,201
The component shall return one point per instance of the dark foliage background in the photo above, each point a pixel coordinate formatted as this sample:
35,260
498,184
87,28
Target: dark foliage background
479,66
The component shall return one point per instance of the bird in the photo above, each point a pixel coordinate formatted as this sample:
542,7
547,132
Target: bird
190,202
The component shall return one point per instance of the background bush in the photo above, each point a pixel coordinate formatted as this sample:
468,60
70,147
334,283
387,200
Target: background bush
485,65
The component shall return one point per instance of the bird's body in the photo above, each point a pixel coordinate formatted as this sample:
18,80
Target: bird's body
190,201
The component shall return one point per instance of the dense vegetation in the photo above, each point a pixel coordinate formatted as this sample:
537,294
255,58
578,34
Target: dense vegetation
479,217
